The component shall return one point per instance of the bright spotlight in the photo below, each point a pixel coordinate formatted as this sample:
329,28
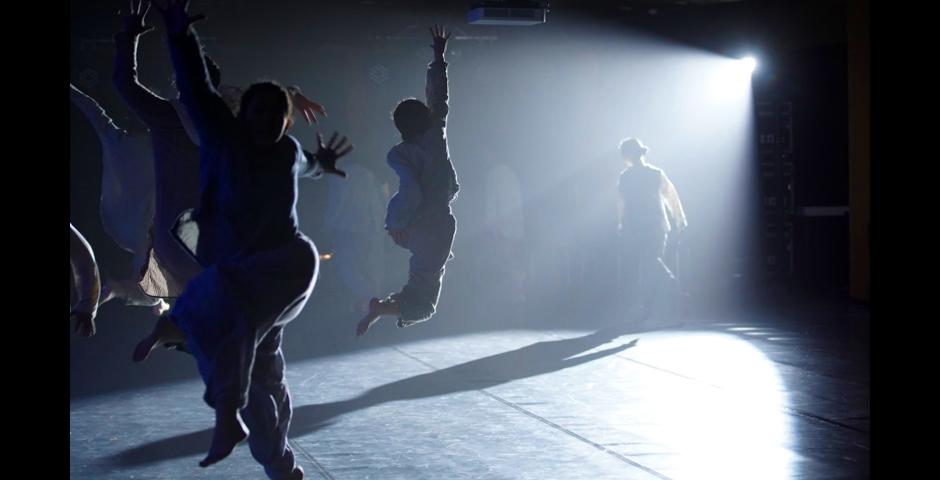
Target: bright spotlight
749,64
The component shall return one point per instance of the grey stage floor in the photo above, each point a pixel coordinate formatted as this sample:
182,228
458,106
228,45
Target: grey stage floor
709,400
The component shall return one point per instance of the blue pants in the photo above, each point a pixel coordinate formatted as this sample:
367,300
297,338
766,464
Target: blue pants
429,240
233,315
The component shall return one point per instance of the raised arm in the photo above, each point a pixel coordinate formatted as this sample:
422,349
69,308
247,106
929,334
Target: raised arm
436,84
102,123
205,106
152,109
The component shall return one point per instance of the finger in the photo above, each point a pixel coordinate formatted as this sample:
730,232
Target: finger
342,143
341,173
332,139
147,10
343,153
319,140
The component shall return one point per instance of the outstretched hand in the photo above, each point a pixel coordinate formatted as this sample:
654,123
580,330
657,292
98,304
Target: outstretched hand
328,154
135,21
176,17
439,40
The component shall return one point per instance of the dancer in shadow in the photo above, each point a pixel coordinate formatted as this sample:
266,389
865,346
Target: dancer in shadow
258,268
174,170
647,201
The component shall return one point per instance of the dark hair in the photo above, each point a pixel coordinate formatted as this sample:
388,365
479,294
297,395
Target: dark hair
271,88
411,117
215,73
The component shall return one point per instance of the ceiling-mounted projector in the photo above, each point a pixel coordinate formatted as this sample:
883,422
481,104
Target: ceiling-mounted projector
510,12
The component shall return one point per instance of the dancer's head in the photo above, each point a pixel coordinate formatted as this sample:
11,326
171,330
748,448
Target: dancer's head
265,109
412,118
633,151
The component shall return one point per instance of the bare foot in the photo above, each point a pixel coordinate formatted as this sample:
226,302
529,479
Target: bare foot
163,332
375,308
228,433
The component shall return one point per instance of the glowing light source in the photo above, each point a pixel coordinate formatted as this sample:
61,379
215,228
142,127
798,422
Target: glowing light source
749,64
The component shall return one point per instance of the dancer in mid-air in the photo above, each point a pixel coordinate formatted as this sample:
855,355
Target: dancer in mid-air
258,268
419,216
175,168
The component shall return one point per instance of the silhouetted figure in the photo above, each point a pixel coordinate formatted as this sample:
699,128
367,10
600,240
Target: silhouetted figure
419,216
258,268
175,145
85,283
175,150
647,201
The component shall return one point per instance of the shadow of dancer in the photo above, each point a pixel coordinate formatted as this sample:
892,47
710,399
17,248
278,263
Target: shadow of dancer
529,361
